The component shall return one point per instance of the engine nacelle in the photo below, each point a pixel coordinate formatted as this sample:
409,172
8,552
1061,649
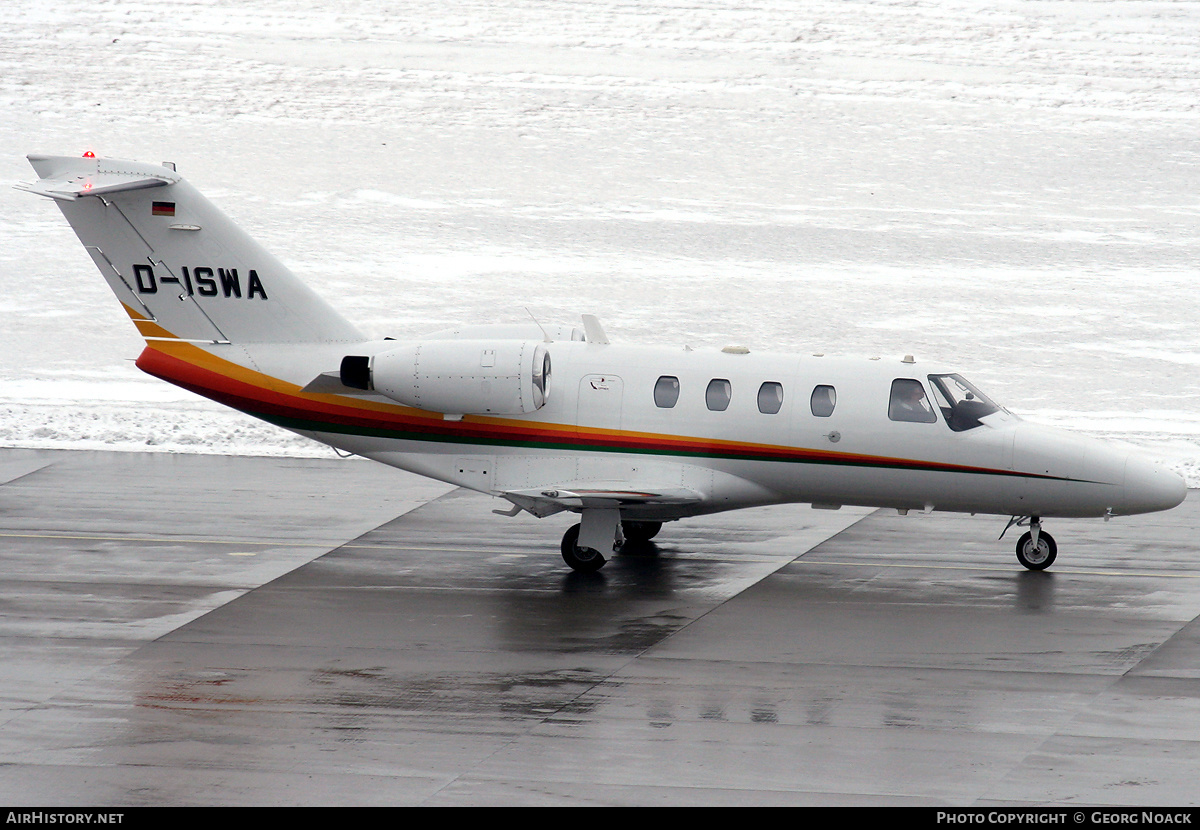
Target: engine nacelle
459,377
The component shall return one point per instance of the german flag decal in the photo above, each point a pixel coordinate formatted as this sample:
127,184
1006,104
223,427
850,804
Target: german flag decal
162,208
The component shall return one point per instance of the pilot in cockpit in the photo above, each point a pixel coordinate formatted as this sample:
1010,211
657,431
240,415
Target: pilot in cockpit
908,402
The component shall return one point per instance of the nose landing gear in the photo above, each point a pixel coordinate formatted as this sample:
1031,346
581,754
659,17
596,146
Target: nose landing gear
1039,555
1036,549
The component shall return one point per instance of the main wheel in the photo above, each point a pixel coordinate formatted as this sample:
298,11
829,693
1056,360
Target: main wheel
640,531
1040,557
584,560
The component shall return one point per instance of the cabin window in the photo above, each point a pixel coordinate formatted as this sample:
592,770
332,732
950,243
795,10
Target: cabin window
823,400
716,397
770,398
666,392
908,402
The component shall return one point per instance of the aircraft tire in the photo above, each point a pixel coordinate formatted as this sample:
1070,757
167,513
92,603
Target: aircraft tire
640,531
1040,558
581,560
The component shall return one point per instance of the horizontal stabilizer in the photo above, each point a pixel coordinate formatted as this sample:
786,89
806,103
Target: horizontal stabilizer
93,177
99,185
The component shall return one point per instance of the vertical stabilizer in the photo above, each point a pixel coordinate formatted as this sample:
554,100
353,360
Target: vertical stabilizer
180,267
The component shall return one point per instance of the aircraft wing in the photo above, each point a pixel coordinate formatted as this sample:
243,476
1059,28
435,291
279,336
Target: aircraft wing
547,501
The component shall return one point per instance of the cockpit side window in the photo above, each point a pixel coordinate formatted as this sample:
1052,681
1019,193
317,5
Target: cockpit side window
961,403
908,402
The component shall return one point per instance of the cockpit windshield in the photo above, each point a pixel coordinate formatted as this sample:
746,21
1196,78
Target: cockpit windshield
962,404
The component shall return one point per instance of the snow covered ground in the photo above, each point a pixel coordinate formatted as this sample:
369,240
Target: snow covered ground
1009,187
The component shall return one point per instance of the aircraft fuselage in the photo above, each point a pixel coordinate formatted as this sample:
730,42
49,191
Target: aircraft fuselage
601,424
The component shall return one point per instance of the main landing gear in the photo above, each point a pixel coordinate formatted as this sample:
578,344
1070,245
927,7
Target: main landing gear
581,559
598,534
1036,549
601,532
640,531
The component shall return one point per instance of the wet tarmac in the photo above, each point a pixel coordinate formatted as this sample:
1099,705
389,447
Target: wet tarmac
203,630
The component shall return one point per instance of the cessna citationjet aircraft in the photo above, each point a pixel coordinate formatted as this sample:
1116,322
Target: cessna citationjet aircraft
629,437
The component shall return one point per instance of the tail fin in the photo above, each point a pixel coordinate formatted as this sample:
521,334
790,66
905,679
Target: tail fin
180,267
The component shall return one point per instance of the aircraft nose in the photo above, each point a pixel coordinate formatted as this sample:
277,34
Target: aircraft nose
1150,487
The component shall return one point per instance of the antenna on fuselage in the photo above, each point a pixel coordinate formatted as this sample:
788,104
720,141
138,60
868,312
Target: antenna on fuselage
545,337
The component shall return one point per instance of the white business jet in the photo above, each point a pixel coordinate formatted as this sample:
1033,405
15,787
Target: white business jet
629,437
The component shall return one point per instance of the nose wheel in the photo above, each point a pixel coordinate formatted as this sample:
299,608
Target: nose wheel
1035,549
1039,554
